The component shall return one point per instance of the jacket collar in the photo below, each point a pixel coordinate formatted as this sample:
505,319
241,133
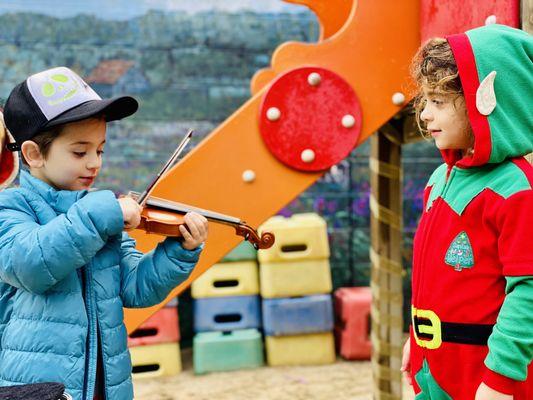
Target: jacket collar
59,200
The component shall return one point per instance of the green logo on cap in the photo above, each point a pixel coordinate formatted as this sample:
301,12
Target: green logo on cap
59,88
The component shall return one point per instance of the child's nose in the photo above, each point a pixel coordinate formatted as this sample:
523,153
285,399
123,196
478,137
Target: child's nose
426,115
94,162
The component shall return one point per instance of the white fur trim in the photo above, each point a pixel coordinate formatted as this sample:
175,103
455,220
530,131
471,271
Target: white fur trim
485,95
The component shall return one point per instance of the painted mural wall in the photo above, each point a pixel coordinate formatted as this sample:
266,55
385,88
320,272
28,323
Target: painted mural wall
190,64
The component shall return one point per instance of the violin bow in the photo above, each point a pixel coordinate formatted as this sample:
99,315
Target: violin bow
144,195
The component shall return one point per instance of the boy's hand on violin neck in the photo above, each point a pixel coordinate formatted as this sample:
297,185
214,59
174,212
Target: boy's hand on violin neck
484,392
196,233
131,211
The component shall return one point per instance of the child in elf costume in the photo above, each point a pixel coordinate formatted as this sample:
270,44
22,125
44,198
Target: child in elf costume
472,303
9,161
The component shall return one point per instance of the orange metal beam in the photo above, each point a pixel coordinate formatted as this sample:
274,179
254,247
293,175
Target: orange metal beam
332,15
371,51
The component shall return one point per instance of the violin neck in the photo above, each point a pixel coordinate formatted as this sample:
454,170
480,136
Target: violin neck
185,208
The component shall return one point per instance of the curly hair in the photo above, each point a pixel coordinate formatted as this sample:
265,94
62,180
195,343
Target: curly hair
434,68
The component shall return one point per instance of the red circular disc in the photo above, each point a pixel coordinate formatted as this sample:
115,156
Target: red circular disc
310,119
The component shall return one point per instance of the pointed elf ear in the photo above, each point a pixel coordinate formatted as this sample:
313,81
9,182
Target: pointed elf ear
9,161
485,95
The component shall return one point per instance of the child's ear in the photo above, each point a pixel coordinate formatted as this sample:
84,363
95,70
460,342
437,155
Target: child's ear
32,154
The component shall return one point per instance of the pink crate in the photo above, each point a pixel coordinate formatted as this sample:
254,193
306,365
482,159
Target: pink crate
162,327
352,327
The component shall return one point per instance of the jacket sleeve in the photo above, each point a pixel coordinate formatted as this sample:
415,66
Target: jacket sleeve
147,279
511,341
35,257
515,241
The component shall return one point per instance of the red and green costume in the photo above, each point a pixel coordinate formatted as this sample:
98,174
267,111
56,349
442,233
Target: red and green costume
472,279
9,161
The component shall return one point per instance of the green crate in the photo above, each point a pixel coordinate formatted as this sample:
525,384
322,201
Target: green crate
243,252
227,351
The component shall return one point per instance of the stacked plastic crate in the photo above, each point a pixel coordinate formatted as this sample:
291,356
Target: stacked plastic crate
227,314
352,326
154,346
295,281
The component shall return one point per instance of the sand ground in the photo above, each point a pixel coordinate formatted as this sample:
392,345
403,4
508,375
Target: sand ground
340,381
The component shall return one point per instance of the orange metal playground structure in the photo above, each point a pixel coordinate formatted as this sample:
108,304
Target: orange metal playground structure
368,45
365,43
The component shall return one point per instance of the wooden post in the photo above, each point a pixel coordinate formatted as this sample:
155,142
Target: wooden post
527,16
386,260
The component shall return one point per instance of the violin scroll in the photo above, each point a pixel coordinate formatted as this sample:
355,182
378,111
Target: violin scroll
266,240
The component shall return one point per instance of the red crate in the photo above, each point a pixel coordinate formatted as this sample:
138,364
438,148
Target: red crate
352,327
162,327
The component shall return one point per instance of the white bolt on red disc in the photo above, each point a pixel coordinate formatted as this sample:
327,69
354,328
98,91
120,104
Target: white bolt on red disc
314,78
308,156
273,114
348,121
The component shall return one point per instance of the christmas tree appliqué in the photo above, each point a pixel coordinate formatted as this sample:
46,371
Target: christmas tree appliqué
459,254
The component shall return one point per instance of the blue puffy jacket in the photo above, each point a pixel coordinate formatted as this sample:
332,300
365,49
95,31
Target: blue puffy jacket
66,272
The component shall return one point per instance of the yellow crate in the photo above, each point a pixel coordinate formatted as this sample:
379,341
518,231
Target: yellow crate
295,278
302,236
314,349
155,360
227,279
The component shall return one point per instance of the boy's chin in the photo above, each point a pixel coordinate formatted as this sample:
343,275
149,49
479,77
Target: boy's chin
84,187
77,186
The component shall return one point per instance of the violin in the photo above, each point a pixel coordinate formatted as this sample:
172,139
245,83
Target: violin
164,217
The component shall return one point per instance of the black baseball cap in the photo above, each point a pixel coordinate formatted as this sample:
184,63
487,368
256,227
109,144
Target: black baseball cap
54,97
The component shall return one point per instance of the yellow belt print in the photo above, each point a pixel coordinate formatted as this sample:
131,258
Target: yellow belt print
433,328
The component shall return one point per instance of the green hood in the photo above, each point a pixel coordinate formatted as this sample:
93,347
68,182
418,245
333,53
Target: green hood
501,111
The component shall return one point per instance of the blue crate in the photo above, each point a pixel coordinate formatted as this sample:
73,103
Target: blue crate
299,315
227,313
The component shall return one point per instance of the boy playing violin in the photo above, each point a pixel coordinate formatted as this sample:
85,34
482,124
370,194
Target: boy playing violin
67,268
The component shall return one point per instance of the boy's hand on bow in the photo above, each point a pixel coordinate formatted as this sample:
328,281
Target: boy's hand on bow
486,393
131,211
196,233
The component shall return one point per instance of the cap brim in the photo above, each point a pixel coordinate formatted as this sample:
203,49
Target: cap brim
112,109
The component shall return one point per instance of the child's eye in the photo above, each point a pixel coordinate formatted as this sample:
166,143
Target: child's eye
100,152
79,153
437,102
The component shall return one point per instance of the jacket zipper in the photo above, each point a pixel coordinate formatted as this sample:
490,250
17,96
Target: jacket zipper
436,210
423,256
103,363
91,351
